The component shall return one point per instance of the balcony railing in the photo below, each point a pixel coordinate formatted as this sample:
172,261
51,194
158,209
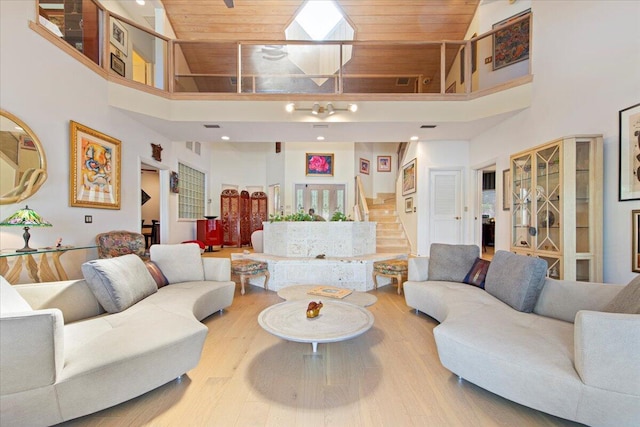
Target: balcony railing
131,54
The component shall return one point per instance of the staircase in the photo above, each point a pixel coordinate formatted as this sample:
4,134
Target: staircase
390,237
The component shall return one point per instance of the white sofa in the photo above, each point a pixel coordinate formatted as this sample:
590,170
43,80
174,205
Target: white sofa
63,357
566,358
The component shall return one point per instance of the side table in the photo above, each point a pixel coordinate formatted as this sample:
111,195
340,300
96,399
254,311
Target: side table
39,271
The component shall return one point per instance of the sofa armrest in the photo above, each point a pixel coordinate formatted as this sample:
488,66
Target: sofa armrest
31,350
606,347
418,269
217,269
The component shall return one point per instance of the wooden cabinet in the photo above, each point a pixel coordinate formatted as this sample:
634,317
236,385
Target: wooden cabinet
209,232
230,216
259,210
556,206
245,218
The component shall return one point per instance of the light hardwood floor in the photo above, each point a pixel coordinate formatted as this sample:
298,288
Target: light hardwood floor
390,376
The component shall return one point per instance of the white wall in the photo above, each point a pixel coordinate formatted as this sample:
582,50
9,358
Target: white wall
586,67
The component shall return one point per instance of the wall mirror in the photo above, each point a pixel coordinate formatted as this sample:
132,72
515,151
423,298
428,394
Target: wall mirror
23,165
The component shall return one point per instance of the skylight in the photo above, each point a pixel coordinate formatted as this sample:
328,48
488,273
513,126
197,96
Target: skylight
318,18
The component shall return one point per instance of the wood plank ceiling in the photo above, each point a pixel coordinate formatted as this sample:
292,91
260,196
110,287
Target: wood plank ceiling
373,20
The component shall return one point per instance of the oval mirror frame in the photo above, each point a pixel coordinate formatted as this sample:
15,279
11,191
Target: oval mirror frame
32,178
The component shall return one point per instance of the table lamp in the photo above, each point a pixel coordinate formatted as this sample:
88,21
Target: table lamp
26,218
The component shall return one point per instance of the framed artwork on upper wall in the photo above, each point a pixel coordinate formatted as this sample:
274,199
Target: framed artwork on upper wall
319,164
629,119
384,163
94,179
364,166
511,44
119,36
409,177
174,182
117,65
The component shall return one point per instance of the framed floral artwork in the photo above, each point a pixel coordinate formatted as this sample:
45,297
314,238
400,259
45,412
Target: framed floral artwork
409,175
94,179
629,122
384,163
319,164
364,166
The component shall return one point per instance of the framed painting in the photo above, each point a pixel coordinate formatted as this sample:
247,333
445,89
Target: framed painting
409,175
119,36
364,166
319,164
174,182
94,179
408,204
629,122
384,163
26,143
506,189
635,241
511,44
117,65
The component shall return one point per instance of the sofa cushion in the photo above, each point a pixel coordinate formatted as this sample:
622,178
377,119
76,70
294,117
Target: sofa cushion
156,273
179,263
10,300
516,279
628,299
118,283
451,262
477,274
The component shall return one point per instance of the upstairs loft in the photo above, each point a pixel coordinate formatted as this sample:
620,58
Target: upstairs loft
438,82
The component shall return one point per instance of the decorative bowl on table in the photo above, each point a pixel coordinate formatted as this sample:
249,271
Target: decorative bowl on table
313,309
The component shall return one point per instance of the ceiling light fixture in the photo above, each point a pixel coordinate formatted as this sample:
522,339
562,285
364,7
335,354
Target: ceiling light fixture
225,138
329,109
414,138
320,138
140,2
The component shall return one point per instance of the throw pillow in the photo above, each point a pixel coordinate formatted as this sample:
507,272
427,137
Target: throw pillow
179,263
516,280
477,274
10,300
451,262
118,283
628,299
156,273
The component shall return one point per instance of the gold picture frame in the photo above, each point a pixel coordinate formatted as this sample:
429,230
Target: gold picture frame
95,162
319,164
409,177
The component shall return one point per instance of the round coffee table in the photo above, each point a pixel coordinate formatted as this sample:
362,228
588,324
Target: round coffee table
298,292
338,321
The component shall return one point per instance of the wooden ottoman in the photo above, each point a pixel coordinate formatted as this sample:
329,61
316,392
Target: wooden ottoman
393,268
248,268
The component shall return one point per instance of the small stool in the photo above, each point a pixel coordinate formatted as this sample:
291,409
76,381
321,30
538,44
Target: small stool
393,268
248,268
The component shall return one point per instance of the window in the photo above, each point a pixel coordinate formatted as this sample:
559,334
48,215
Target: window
191,197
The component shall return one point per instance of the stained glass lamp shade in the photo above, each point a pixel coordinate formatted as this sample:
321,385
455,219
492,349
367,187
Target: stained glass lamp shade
26,218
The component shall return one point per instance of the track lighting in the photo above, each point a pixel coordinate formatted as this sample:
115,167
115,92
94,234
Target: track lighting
318,109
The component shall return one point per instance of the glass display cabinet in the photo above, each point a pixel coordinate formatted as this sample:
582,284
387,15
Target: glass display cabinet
556,206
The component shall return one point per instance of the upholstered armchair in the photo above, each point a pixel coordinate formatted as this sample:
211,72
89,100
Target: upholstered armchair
120,242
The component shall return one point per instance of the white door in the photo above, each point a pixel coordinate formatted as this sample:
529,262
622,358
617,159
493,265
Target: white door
445,206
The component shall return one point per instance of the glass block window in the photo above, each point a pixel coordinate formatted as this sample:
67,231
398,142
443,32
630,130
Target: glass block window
191,197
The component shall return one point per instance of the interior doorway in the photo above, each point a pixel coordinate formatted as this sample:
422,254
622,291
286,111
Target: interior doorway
150,202
324,199
488,204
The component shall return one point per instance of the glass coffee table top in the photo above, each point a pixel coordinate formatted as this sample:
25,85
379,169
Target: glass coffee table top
301,292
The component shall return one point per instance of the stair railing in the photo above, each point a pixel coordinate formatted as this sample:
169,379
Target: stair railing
360,207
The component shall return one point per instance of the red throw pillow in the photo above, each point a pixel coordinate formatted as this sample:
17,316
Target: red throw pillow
478,272
156,273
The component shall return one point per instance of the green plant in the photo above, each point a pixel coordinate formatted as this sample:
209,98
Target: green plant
298,216
339,216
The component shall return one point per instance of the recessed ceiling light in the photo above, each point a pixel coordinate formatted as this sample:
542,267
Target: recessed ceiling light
225,138
320,138
414,138
140,2
290,107
353,107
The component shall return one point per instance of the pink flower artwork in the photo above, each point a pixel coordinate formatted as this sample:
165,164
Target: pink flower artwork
319,164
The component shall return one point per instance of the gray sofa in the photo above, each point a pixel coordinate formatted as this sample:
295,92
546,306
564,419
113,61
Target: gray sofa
566,357
62,356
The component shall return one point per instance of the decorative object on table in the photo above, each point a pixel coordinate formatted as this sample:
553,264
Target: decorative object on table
408,204
635,240
95,169
629,122
119,36
117,65
319,164
384,163
364,166
330,292
156,152
506,189
409,177
511,44
26,218
173,182
313,309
